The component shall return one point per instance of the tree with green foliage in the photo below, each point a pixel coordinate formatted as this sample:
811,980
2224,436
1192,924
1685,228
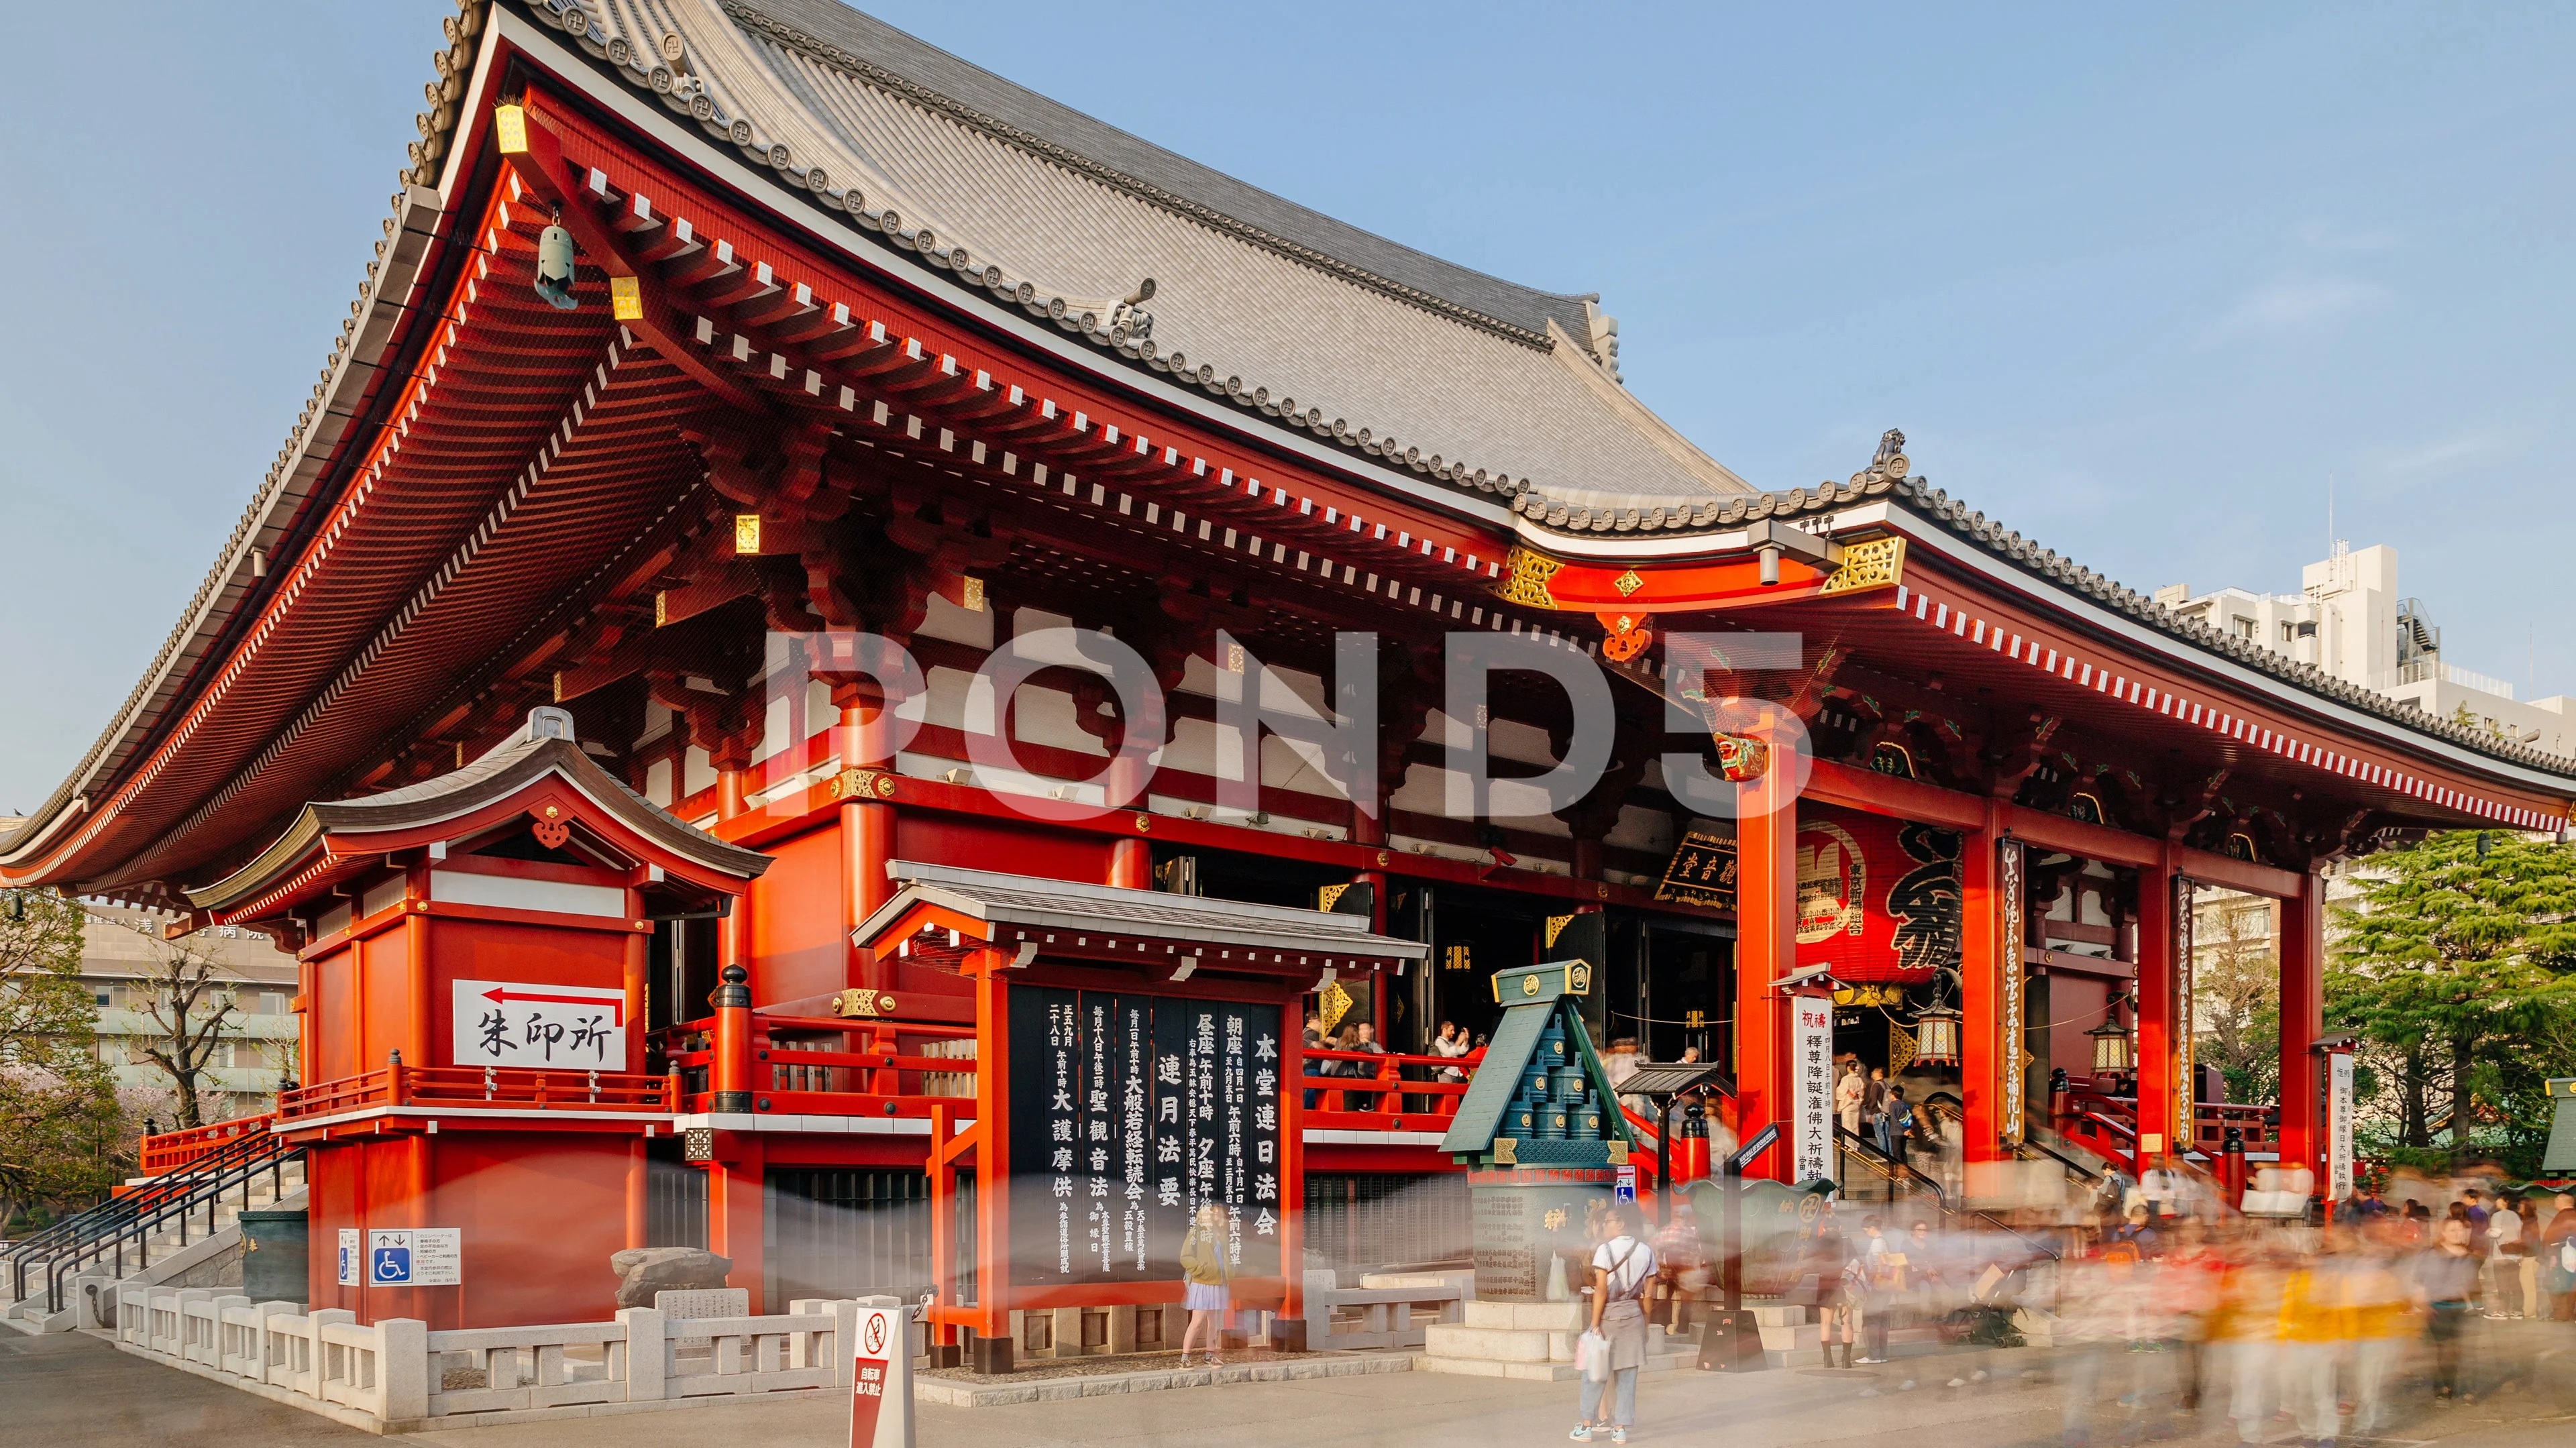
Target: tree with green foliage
2456,965
2236,988
59,1123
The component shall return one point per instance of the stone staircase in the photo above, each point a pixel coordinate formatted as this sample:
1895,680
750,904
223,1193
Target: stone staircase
1531,1341
169,1257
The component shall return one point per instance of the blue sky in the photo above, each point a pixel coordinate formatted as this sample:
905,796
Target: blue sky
2140,287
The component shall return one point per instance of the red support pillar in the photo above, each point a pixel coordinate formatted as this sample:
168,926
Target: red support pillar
1988,1049
416,1047
1368,829
2302,938
734,1226
992,1145
867,823
733,933
730,1074
1131,857
638,972
637,1165
1766,949
2158,970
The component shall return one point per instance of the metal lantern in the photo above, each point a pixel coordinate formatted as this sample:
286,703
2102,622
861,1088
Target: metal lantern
554,267
2113,1050
1936,1036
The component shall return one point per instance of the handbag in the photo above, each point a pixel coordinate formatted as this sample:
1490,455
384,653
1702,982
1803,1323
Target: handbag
1592,1356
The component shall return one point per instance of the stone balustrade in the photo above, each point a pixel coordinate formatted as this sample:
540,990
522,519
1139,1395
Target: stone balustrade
398,1374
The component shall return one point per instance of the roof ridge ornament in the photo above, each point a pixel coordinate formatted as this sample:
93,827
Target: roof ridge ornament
546,721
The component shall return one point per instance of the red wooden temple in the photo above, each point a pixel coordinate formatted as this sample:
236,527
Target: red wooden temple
636,616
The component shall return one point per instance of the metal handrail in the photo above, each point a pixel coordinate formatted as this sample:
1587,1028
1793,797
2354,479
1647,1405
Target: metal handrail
145,1225
2062,1159
92,1221
1941,1198
1870,1150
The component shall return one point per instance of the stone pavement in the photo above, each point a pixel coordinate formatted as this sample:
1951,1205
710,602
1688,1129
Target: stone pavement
78,1390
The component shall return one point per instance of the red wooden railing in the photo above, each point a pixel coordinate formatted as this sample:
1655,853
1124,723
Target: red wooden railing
472,1086
793,1069
170,1150
2094,1111
1385,1099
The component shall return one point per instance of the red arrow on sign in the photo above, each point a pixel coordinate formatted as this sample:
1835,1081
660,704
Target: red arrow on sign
504,993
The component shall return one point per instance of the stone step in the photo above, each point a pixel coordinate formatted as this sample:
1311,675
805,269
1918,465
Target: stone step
1467,1342
1539,1372
1526,1316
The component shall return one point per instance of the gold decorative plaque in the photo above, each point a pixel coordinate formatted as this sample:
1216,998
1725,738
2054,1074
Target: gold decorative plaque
1874,563
1525,576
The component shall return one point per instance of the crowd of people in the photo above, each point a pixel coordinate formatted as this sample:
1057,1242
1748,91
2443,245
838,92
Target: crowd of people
2176,1319
2167,1320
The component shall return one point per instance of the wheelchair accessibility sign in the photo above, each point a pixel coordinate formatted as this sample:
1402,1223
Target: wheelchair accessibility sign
415,1257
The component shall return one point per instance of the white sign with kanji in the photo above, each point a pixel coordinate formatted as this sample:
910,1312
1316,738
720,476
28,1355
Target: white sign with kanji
2339,1094
1811,1063
556,1027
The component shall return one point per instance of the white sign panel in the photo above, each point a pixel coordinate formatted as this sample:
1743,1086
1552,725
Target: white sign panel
2338,1125
352,1255
1811,1090
881,1380
558,1027
415,1257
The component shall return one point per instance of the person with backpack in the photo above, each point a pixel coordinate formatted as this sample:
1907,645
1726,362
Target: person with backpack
1895,1119
1622,1266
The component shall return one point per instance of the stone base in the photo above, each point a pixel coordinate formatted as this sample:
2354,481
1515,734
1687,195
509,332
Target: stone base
1530,1340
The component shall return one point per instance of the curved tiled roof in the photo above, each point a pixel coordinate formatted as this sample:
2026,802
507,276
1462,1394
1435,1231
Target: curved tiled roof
1685,518
505,770
1418,362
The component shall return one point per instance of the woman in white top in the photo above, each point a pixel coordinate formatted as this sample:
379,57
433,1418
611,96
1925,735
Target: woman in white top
1622,1267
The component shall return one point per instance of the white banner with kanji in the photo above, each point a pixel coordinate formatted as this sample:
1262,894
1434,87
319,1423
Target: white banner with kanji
1811,1064
557,1027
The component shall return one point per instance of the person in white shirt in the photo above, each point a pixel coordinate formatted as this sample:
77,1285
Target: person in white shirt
2161,1186
2505,1258
1622,1268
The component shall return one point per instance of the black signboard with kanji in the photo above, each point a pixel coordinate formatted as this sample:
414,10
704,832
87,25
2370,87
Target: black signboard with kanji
1129,1113
1702,872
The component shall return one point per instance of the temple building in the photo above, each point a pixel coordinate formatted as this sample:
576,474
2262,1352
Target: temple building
795,689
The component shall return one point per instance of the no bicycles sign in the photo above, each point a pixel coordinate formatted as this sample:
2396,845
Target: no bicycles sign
881,1380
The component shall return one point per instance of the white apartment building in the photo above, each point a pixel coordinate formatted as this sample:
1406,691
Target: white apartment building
257,1045
2349,620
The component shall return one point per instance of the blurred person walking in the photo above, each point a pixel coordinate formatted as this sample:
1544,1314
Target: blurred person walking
2446,1284
1207,1276
1882,1266
2249,1329
2313,1324
2187,1286
2382,1320
2506,1252
1681,1267
2558,1258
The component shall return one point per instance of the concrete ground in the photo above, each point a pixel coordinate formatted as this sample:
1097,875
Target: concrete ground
78,1390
